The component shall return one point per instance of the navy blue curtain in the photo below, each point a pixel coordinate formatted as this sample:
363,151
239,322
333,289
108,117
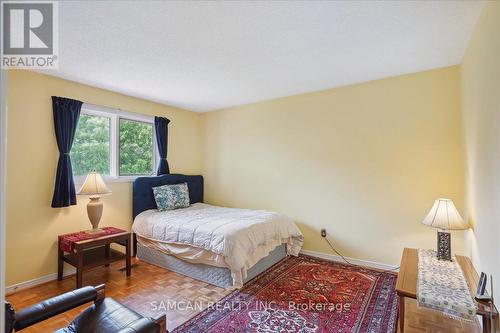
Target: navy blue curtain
161,128
66,114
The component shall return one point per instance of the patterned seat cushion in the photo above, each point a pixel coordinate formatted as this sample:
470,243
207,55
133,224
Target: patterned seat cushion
170,197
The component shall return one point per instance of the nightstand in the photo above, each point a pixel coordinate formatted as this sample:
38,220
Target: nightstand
85,251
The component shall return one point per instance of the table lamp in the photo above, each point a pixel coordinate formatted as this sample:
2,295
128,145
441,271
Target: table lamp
94,187
444,216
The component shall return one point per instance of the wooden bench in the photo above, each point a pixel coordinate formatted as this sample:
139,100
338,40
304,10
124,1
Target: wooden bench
406,286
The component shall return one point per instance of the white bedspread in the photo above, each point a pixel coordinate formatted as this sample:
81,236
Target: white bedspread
230,232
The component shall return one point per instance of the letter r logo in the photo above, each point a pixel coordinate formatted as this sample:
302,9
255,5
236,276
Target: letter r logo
28,28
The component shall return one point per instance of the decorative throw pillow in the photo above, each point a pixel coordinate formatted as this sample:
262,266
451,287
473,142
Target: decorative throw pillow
170,197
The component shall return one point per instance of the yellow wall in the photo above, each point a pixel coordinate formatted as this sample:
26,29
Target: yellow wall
32,225
366,161
480,76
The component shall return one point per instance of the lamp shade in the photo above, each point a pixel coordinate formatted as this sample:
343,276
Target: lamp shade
444,215
94,185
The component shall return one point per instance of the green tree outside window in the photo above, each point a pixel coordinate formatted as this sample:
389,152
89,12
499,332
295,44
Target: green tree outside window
136,148
90,149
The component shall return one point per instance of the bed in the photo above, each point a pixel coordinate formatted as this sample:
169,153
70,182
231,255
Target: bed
222,246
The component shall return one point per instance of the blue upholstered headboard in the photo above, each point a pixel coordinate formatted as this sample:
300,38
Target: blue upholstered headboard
143,198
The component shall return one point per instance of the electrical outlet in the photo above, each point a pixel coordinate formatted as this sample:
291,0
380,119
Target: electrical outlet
323,232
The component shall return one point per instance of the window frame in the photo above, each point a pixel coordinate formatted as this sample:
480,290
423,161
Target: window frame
114,116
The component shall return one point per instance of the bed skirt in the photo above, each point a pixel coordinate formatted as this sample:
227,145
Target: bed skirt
218,276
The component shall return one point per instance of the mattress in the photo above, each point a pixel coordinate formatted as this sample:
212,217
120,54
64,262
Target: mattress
223,237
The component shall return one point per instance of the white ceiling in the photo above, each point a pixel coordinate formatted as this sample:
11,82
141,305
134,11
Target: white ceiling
203,56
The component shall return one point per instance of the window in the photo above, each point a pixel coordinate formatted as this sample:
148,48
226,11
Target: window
136,147
117,144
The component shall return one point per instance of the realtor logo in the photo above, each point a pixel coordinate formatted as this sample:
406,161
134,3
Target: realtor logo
29,34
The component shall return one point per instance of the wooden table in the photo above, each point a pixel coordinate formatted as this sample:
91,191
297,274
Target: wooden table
406,285
94,252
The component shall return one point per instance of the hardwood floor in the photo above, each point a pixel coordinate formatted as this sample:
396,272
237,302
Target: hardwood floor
151,290
146,291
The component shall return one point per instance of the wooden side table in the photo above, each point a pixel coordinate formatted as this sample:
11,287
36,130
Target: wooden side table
406,286
90,253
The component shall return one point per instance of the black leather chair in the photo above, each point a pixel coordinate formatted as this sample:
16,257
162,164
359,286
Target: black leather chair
105,316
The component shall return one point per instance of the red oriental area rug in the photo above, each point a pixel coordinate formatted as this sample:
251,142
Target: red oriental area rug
304,295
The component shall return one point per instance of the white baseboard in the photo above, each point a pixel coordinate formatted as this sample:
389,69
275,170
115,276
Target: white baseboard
354,261
35,282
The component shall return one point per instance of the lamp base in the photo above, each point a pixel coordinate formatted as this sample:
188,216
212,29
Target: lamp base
94,211
93,231
444,245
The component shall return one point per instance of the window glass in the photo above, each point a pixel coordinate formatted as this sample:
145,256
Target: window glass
136,148
90,149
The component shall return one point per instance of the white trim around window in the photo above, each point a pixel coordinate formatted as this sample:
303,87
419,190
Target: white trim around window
114,116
